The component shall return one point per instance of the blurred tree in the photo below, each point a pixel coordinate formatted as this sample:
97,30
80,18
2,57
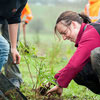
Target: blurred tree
37,25
58,1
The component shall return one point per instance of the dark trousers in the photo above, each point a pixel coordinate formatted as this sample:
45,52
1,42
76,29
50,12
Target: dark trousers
90,75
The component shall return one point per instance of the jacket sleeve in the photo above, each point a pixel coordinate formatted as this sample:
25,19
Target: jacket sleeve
27,13
78,60
16,17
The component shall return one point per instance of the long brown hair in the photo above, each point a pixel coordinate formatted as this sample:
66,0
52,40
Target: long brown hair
69,16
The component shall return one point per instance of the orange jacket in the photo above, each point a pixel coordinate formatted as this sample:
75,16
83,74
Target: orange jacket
92,9
26,12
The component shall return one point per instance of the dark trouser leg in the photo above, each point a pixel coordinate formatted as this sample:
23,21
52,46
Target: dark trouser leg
87,77
11,70
95,60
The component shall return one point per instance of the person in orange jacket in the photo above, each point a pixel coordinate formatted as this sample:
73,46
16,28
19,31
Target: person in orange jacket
92,9
28,16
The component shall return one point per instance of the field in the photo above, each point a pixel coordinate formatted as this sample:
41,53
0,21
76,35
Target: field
47,55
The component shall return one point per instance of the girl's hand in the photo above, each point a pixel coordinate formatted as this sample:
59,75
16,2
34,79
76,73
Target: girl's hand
56,89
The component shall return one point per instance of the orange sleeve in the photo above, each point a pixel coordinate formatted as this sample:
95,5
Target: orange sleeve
27,13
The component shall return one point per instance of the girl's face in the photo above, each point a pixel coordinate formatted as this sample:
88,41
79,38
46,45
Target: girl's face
70,32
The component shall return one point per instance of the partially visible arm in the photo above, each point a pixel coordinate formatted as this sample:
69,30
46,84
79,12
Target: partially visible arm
13,27
13,40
